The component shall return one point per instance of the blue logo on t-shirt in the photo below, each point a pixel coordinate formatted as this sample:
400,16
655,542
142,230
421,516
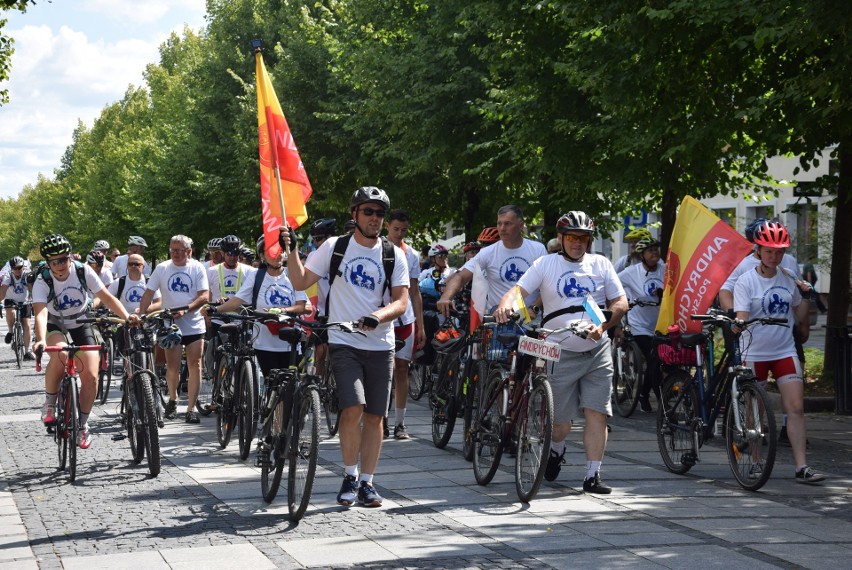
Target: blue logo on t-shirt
278,297
180,283
65,302
363,272
652,286
19,288
134,295
513,268
574,286
776,301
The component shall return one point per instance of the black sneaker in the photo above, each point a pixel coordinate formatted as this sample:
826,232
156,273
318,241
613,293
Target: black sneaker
385,428
170,412
367,495
808,476
645,404
400,432
783,439
191,417
554,465
348,491
596,486
9,337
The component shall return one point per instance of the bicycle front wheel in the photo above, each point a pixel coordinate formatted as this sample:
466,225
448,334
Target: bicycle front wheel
443,398
750,437
675,422
535,427
304,450
273,451
72,411
329,401
148,431
488,429
417,380
244,404
627,377
18,343
225,405
207,388
60,427
105,373
473,386
132,403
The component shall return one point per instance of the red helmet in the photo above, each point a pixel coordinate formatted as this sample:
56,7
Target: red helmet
471,246
489,235
772,234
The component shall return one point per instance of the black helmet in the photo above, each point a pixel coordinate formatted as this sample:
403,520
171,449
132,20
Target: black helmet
751,229
16,261
575,221
54,244
369,194
349,226
231,244
324,227
247,253
95,256
645,243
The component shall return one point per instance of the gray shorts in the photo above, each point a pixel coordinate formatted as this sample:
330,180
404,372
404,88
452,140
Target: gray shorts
363,377
582,380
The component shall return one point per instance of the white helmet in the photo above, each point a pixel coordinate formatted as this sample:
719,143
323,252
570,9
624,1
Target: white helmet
136,240
437,249
101,245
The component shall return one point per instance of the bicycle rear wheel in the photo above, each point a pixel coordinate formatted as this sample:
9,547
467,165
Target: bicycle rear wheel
304,449
751,446
72,411
18,343
444,401
535,427
329,401
60,427
273,451
244,406
627,384
105,372
675,423
488,429
473,385
417,380
225,410
132,403
205,403
148,430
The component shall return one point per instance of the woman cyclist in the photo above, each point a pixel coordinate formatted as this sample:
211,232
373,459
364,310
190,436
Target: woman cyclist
59,299
766,291
13,290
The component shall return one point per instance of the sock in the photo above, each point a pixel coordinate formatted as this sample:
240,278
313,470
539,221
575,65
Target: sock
351,470
50,399
367,478
783,420
558,447
84,418
400,416
592,467
800,467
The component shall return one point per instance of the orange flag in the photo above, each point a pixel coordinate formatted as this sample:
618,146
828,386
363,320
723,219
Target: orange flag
284,184
704,251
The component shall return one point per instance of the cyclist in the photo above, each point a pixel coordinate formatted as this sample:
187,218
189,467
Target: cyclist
59,299
632,237
363,365
438,268
488,236
766,291
503,262
103,246
553,246
227,277
95,259
644,282
409,327
582,379
181,281
470,250
275,292
135,245
13,289
214,251
248,257
129,289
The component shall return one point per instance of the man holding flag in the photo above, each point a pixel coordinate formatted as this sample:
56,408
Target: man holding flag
362,365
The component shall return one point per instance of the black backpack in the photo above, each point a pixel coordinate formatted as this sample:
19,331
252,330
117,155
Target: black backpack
388,261
48,279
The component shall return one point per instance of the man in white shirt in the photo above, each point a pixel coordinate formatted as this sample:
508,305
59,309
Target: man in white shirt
135,245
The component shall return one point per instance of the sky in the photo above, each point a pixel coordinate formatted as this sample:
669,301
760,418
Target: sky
72,58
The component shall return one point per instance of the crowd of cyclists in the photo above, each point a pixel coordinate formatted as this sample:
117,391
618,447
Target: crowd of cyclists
397,301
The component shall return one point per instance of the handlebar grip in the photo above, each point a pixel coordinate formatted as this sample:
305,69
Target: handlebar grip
488,319
86,320
176,309
702,317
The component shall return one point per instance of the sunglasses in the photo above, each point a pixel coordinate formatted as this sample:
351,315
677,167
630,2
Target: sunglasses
373,212
135,264
182,250
58,261
442,255
320,239
576,239
232,253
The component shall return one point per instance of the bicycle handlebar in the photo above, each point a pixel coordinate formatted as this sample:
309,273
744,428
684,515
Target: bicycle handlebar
71,349
719,319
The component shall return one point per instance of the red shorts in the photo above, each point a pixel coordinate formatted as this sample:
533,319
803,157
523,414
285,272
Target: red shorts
783,370
406,333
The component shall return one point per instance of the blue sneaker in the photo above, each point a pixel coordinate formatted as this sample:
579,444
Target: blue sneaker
367,495
348,491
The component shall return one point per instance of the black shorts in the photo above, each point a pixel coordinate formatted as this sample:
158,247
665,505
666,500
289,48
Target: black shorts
191,338
79,336
270,360
26,310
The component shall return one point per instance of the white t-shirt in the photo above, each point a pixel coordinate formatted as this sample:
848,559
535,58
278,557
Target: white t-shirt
276,292
7,269
563,284
17,288
71,300
503,267
359,290
233,279
119,267
412,258
322,288
641,285
750,262
767,297
179,286
132,294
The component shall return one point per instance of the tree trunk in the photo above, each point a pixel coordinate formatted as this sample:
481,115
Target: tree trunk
671,201
841,252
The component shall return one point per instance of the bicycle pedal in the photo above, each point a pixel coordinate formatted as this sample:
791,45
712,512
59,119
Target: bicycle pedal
119,437
161,424
50,428
688,459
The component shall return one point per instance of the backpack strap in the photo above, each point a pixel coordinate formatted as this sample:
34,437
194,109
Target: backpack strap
388,262
121,282
258,283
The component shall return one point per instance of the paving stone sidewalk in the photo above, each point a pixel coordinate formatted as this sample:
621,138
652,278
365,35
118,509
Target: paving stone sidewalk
205,510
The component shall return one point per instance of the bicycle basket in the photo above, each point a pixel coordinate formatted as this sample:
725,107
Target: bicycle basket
493,349
676,356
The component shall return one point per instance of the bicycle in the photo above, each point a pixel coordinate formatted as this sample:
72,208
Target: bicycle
328,397
140,412
517,407
234,392
690,405
66,427
153,322
107,332
630,368
290,415
18,346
